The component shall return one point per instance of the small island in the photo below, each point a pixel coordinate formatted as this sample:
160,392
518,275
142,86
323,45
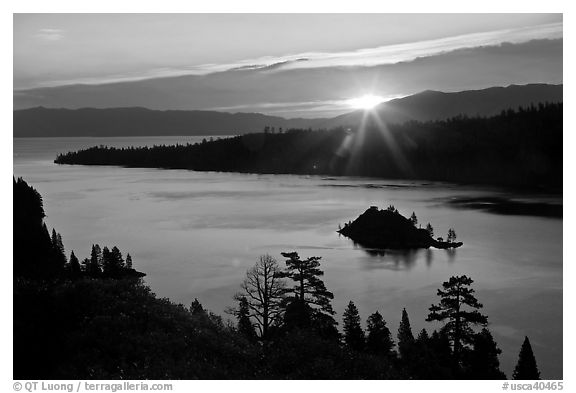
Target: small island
388,229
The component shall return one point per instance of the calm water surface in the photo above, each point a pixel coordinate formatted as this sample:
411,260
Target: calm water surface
196,233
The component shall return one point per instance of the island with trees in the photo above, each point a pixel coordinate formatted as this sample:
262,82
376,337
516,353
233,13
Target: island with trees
517,148
388,229
97,319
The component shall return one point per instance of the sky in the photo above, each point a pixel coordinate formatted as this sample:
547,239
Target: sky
291,65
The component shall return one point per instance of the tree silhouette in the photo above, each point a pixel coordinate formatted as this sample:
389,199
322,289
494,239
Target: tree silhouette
414,219
430,230
58,249
454,298
196,308
423,337
94,269
392,209
451,235
482,361
353,333
310,304
379,340
245,325
128,261
526,367
74,265
309,287
405,336
264,291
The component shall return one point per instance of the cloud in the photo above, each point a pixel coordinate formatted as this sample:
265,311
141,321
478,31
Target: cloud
367,57
50,34
318,91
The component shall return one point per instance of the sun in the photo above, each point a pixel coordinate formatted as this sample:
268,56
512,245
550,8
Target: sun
365,102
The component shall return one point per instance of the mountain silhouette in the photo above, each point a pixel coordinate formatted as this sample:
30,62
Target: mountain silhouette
136,121
436,105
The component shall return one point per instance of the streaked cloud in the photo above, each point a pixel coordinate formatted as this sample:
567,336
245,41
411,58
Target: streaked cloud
50,34
368,57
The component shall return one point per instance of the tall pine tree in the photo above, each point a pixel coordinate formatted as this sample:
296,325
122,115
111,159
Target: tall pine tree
353,333
310,304
74,266
526,367
245,325
379,340
459,308
482,361
405,336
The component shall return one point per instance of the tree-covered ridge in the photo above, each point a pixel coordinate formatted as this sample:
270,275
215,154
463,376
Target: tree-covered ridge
39,254
521,148
88,321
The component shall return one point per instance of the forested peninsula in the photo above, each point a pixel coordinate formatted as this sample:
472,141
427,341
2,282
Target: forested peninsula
516,148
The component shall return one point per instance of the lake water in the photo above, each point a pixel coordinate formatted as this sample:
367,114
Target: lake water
196,233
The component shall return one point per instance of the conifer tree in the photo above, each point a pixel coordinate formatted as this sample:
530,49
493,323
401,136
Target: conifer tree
115,262
196,308
58,250
414,219
128,261
245,325
315,307
106,260
526,367
379,340
455,298
353,333
405,336
430,230
482,361
423,337
309,287
94,269
451,237
74,265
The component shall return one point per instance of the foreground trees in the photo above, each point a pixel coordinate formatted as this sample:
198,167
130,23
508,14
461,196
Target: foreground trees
353,333
264,289
456,297
379,340
526,367
308,302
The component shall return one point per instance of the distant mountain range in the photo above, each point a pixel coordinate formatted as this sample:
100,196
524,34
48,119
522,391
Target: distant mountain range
427,105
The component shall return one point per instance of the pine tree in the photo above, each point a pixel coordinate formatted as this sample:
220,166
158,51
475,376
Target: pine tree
128,261
58,250
414,219
526,367
74,265
454,298
115,262
405,336
423,337
451,237
309,290
379,340
196,308
353,333
94,269
482,361
245,325
430,230
106,261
